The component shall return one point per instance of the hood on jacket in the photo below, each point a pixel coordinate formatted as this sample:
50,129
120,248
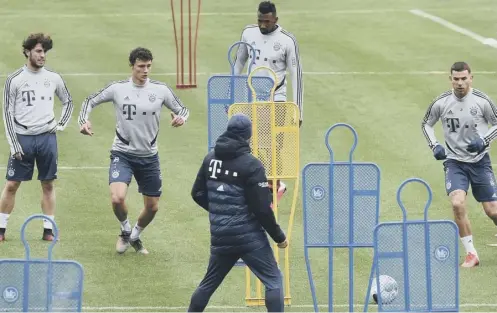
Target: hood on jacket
234,141
230,146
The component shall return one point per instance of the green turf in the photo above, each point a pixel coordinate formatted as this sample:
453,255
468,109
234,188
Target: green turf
334,36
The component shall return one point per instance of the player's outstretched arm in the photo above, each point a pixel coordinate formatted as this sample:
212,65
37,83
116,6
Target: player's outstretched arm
430,119
85,129
103,95
67,105
179,112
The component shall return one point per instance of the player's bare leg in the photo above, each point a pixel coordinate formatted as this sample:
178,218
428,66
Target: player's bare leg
118,193
151,206
7,201
491,210
458,201
48,208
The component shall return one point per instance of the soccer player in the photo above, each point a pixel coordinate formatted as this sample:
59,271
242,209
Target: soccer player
138,102
277,49
232,186
466,114
31,127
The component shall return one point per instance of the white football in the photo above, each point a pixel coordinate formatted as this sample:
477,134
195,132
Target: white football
388,287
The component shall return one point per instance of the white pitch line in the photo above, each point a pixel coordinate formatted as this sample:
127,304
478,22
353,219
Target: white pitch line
123,74
329,73
169,14
214,307
83,168
486,41
394,73
71,168
227,307
42,15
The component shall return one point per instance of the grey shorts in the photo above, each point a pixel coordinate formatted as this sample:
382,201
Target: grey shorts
480,175
146,171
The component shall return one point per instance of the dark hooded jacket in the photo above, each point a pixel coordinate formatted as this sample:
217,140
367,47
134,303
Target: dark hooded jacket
232,186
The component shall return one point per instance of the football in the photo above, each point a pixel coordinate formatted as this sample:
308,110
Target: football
388,287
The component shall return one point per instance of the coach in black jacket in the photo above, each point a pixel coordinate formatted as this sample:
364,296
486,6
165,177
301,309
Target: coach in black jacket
232,186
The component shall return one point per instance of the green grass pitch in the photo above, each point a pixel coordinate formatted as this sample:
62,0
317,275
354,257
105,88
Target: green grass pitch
371,64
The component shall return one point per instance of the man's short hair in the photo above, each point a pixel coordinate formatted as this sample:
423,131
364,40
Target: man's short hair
460,67
140,53
34,39
266,7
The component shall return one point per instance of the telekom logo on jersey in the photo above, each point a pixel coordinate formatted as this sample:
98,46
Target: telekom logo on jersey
129,110
215,168
28,95
453,124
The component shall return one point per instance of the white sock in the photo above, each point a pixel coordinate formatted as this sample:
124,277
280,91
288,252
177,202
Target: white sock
468,244
126,226
4,218
47,224
135,233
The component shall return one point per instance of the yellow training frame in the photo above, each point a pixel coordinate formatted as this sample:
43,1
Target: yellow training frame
275,141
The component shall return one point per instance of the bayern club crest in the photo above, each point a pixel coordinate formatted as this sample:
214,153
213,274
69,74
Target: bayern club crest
473,111
152,97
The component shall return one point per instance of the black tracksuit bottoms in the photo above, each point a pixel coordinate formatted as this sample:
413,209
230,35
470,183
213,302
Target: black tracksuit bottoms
261,262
